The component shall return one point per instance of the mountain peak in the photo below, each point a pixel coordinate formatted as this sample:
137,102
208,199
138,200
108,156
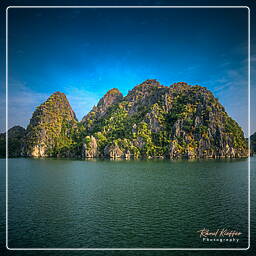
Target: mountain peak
179,84
149,83
114,91
50,126
110,98
144,90
16,131
58,95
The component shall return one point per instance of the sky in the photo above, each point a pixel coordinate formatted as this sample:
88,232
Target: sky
86,52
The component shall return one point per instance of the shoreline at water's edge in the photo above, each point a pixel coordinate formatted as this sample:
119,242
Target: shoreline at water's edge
135,159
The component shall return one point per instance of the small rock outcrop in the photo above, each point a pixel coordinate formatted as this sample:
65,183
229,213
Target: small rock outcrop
113,151
89,147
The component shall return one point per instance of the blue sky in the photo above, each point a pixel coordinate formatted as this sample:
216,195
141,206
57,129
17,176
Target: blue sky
86,52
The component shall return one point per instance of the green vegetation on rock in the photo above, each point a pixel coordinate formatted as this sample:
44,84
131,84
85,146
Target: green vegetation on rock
152,121
53,129
180,121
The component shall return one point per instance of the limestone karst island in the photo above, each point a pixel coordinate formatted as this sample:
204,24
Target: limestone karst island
152,121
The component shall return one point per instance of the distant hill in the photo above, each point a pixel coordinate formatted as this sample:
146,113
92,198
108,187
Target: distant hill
15,141
253,142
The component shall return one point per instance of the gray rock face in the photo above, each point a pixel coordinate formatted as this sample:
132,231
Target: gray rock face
127,155
89,148
112,97
180,121
153,120
144,95
113,151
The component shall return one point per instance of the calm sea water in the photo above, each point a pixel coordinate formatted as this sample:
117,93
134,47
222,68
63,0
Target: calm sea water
159,204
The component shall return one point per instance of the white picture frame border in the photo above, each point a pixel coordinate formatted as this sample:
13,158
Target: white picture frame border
127,249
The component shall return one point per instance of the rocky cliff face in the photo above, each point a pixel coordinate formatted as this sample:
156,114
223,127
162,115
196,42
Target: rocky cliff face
15,140
180,121
51,128
111,98
89,147
152,121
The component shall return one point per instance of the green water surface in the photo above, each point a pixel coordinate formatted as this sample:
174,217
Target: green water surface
125,204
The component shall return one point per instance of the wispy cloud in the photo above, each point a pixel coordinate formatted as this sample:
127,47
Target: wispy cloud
231,87
81,101
22,102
